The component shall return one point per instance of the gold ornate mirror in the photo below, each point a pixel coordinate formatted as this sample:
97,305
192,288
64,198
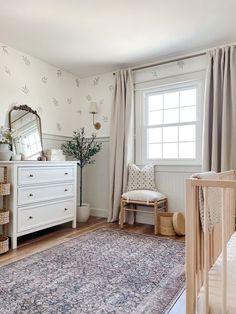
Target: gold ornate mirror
26,124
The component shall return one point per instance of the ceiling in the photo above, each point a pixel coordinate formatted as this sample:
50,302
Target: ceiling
88,37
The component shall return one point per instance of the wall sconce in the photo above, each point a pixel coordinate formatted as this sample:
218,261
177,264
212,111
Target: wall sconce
93,109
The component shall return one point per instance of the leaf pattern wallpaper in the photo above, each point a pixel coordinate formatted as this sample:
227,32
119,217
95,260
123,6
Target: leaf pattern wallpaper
77,82
7,70
55,101
61,98
44,79
59,73
4,49
26,60
180,64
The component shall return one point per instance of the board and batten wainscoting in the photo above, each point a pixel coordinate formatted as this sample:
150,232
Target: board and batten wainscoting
43,194
169,180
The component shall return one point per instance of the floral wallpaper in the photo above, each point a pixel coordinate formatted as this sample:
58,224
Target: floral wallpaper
61,99
99,89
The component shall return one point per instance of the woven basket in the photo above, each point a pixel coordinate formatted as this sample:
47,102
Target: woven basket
4,244
165,224
4,189
4,217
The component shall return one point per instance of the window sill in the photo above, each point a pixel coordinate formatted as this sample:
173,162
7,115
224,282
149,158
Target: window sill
189,169
170,163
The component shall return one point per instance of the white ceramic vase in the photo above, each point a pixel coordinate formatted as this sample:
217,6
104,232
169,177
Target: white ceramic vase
5,152
83,212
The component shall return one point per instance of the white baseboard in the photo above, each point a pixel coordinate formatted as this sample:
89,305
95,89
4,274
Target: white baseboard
145,218
99,212
141,217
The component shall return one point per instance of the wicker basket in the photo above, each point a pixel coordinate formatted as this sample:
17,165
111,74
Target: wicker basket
4,244
4,217
165,224
4,189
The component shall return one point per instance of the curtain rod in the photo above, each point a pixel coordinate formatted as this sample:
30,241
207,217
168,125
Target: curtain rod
166,61
176,59
141,67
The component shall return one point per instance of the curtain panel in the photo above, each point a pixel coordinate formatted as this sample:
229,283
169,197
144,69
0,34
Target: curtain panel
219,125
121,140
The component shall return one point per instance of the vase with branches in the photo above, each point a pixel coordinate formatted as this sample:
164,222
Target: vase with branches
7,137
83,149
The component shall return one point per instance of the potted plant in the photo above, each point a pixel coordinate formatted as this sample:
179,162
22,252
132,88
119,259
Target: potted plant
82,149
6,139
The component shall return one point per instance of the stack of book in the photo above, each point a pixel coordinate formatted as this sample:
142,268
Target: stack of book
55,155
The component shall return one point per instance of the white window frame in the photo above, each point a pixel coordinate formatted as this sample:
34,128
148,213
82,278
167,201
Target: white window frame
142,91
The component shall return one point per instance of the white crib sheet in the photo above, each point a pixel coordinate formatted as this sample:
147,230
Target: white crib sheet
215,283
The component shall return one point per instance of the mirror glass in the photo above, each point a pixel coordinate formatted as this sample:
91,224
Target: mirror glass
26,125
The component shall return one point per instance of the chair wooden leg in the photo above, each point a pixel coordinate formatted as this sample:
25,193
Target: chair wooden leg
125,214
166,205
155,219
122,214
135,214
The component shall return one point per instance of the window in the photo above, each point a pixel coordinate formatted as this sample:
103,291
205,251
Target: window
168,124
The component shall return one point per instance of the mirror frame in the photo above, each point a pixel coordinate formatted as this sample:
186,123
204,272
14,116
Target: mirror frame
28,109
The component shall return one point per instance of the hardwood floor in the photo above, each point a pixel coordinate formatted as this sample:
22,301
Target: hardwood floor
42,240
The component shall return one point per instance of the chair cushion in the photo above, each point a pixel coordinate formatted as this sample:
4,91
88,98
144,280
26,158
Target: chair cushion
143,196
141,179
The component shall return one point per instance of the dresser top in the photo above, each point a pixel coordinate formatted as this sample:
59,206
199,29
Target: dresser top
38,163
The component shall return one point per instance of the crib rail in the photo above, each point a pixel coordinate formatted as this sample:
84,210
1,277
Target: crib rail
204,247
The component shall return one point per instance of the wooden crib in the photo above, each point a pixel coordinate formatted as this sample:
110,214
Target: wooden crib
206,252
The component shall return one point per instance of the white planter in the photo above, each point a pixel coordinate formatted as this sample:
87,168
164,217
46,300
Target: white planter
83,212
5,152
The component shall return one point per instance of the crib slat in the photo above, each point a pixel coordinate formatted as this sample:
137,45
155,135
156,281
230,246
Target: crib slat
190,248
199,265
224,250
206,252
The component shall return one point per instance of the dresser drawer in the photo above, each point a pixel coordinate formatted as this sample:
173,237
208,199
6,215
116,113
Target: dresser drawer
31,175
45,214
33,194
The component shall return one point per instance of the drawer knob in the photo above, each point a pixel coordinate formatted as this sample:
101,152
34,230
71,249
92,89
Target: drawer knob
30,217
65,209
31,194
66,173
66,190
31,175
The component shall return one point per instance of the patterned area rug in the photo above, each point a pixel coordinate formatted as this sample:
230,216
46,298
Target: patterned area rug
104,271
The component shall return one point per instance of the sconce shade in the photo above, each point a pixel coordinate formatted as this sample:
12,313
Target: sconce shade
93,107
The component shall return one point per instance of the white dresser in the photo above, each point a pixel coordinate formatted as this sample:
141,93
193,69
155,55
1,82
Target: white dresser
43,194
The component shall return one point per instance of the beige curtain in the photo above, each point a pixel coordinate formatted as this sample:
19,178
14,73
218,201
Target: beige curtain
219,130
121,140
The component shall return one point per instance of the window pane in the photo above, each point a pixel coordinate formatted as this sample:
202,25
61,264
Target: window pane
187,133
187,114
170,150
155,117
171,116
154,135
170,134
187,150
155,102
171,100
154,151
188,97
